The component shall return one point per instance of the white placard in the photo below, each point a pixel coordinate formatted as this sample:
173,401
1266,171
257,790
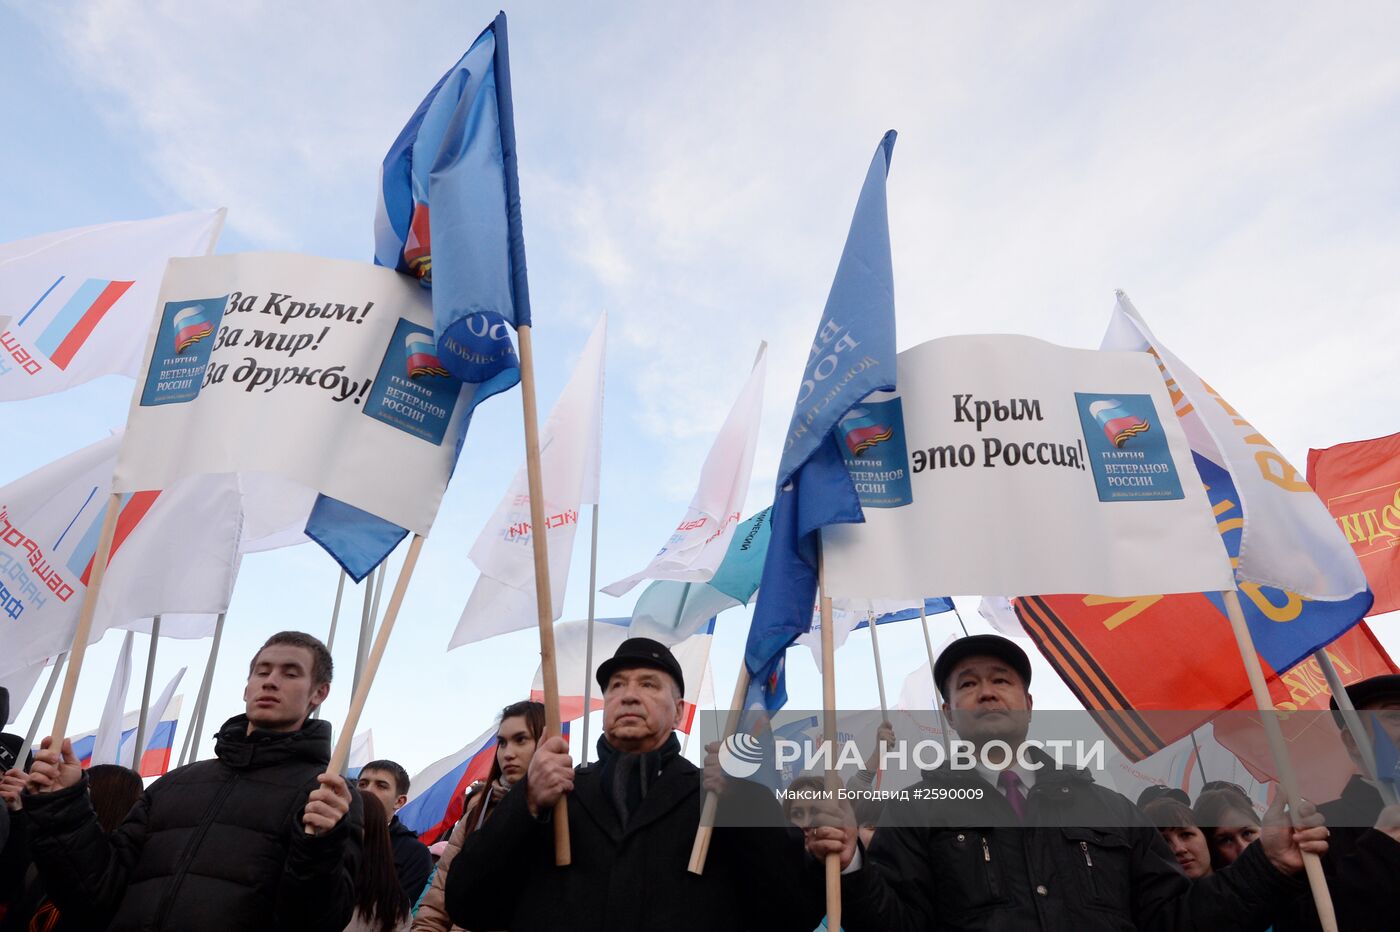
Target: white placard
1025,468
318,370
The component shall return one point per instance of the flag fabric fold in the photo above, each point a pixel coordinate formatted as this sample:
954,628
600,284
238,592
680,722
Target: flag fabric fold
81,300
700,542
1289,541
503,598
1359,483
846,620
669,611
852,355
109,728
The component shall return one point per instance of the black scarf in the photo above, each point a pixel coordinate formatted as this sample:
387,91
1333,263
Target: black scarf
627,777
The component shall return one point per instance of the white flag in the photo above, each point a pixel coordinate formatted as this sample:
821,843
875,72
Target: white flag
161,730
1290,541
154,716
503,598
361,752
998,612
81,301
175,552
694,550
109,729
854,616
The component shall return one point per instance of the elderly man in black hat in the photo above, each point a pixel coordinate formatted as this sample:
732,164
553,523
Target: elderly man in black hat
632,819
1036,847
1363,857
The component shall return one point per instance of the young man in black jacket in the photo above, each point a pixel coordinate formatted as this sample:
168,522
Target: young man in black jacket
413,863
258,838
1042,848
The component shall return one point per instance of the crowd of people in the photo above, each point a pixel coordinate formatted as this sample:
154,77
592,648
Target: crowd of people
261,837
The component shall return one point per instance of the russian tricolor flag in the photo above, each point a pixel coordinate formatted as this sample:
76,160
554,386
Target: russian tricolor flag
1117,422
438,797
159,742
190,327
422,356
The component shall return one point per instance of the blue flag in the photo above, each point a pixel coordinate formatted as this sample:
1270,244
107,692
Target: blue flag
852,355
450,181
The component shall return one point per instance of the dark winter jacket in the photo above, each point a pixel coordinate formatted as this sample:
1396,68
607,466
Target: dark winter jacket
1362,866
412,861
632,878
922,872
215,845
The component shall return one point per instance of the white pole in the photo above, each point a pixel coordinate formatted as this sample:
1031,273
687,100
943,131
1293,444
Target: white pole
141,722
1354,725
335,612
190,752
928,646
39,713
879,672
588,651
371,606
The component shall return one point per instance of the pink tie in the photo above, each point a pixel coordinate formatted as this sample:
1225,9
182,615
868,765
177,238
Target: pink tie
1009,782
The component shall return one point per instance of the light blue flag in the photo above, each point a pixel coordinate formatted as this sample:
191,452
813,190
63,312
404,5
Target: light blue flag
852,355
670,611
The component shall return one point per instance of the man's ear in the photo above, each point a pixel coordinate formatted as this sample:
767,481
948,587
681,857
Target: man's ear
401,801
1030,701
318,695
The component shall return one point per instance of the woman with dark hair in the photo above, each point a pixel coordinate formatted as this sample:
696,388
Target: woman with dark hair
519,732
1178,826
380,904
112,790
1230,823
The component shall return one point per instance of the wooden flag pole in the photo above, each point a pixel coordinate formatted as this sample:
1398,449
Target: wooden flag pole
544,602
588,650
142,721
879,671
28,744
701,847
191,749
833,782
84,630
1312,864
376,653
1353,722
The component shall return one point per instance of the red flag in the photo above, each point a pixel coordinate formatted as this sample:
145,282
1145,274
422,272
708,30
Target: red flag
1360,484
1314,741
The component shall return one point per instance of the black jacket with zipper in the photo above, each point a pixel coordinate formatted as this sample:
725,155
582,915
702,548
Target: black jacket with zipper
216,845
1088,862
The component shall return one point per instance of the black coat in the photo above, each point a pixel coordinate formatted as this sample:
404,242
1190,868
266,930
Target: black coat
1362,867
215,845
412,860
632,879
923,873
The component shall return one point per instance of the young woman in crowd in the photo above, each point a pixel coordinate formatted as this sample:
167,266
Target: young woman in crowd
521,725
1230,824
380,904
1178,826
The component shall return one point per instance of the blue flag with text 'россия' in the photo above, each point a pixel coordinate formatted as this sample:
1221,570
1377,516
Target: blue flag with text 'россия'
450,185
852,355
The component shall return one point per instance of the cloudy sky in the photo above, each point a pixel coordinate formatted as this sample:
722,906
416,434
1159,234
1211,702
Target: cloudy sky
693,172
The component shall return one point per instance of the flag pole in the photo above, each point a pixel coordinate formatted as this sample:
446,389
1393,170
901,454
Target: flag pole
196,725
376,653
833,861
84,630
28,744
962,624
879,672
928,646
335,612
1199,765
700,850
588,651
1364,747
1312,864
367,614
544,602
141,723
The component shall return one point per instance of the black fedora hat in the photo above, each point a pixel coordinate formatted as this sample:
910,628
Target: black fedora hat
983,645
641,652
